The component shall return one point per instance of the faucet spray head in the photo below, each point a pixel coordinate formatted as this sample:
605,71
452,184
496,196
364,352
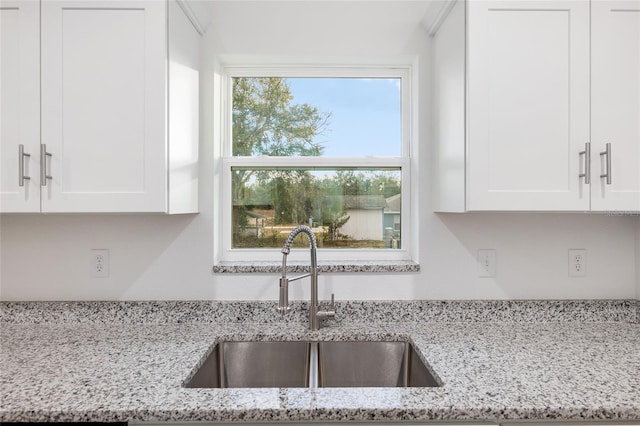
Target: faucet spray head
283,303
286,248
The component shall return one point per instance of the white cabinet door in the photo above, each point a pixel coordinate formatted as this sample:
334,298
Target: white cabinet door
19,105
528,104
615,109
104,105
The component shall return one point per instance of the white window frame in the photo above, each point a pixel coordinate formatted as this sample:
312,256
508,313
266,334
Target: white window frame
224,160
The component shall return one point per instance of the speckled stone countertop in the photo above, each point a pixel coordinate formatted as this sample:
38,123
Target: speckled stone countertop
529,360
270,267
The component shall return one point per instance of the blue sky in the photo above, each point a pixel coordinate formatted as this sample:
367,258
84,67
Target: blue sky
366,116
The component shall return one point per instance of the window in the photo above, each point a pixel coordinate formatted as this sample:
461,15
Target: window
326,147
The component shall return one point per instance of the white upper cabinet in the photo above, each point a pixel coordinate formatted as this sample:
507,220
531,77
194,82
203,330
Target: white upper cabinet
547,85
103,105
615,104
528,110
19,106
106,71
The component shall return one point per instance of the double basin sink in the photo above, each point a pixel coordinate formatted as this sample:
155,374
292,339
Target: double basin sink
312,364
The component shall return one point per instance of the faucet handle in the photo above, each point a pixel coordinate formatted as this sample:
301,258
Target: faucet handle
329,313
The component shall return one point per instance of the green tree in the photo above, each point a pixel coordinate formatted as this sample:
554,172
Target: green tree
348,182
293,193
383,183
352,182
267,121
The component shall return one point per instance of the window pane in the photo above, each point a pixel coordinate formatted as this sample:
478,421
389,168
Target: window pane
330,117
347,208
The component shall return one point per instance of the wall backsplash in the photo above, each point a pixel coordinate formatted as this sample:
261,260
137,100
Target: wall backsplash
158,257
46,257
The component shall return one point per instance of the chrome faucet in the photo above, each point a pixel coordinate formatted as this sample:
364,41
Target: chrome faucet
315,314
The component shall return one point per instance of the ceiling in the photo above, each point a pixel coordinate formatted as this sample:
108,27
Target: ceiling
326,13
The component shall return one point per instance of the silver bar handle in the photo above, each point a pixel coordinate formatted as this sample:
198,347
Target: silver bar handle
329,313
587,163
21,156
43,165
607,152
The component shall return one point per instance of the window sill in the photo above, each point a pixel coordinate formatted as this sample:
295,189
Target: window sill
269,267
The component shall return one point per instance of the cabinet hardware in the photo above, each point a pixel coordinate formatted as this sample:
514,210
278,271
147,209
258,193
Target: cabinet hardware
607,152
21,156
43,165
587,163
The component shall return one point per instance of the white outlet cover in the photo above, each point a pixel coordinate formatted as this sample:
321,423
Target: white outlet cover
99,263
577,262
486,263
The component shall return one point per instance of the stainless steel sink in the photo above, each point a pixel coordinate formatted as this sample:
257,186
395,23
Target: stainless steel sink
312,364
254,365
371,364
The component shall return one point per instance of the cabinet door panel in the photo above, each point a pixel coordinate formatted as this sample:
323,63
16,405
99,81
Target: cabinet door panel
103,112
19,104
528,110
615,107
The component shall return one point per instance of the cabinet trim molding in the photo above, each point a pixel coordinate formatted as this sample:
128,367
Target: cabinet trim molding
191,15
443,13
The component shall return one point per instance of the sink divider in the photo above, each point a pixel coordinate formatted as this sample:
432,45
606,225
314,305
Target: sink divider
314,372
222,377
406,370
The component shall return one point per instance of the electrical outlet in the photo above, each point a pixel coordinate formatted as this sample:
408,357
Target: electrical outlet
577,262
99,263
486,263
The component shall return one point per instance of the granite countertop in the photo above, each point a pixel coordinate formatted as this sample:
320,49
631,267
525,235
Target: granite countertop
497,361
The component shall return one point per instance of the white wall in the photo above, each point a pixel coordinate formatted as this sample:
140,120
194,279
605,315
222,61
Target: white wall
46,257
364,224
